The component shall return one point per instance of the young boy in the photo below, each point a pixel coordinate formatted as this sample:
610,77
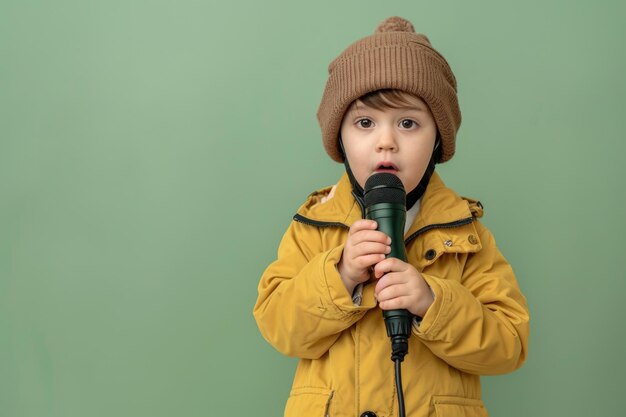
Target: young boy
390,105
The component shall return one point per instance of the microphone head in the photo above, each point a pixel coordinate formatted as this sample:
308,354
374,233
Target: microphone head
384,187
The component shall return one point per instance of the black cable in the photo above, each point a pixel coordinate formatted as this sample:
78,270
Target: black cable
399,348
399,388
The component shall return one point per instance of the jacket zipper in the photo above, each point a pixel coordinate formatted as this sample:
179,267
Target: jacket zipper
310,222
305,220
455,223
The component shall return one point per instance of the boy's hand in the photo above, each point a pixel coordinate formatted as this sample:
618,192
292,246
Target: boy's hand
401,286
364,247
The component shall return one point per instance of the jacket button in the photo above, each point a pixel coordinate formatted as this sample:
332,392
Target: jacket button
430,254
368,414
472,239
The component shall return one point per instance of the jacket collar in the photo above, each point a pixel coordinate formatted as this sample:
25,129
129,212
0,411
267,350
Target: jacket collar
439,205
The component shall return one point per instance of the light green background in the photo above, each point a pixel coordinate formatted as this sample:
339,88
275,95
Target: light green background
152,154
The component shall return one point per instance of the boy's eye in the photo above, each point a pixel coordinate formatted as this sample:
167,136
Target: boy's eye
365,123
407,123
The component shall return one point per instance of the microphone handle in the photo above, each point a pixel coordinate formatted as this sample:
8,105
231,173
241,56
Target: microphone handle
391,218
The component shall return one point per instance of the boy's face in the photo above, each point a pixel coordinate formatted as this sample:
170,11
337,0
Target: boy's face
399,141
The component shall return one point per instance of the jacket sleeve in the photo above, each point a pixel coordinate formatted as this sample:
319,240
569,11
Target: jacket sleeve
303,306
481,324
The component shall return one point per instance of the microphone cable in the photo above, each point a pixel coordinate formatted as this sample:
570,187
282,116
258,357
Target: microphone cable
399,387
399,348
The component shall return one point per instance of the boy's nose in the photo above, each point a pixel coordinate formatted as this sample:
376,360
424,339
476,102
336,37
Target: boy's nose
386,141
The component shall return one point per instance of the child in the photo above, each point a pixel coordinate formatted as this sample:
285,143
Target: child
390,105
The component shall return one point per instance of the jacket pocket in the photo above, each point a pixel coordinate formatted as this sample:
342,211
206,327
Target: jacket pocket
308,401
448,406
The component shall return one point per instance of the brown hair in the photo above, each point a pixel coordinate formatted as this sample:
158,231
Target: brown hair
387,99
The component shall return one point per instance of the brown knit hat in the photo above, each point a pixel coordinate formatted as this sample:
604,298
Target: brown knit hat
393,57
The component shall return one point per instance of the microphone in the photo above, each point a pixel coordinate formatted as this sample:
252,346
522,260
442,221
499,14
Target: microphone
385,202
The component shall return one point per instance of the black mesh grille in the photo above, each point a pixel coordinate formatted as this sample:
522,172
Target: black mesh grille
384,187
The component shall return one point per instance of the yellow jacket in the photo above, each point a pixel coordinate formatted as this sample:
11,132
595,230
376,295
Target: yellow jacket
477,325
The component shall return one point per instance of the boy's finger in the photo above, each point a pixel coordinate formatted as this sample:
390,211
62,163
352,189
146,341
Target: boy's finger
363,224
387,290
366,261
371,236
371,248
389,265
394,303
391,279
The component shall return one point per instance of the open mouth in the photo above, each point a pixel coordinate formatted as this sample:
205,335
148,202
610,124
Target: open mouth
386,167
